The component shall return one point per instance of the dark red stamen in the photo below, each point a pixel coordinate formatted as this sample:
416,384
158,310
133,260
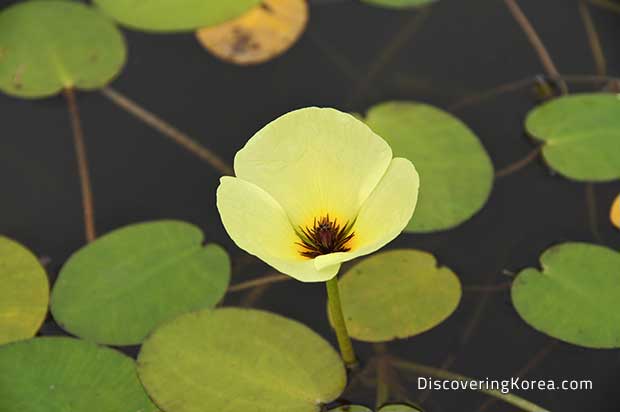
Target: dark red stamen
324,237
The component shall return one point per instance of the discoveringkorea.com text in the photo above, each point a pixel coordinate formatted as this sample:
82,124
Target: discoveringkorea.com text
504,386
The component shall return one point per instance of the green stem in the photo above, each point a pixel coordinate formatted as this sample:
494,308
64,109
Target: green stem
337,318
418,369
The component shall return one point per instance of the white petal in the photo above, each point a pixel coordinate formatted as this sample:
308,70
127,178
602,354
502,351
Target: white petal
315,161
258,225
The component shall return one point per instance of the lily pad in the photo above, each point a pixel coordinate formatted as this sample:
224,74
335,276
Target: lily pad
239,360
456,173
46,46
261,34
351,408
580,134
397,294
24,294
399,408
575,296
118,288
174,15
385,408
64,374
399,4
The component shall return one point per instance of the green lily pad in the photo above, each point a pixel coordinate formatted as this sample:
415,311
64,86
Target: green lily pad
580,134
399,408
118,288
456,173
399,4
575,296
46,46
64,374
397,294
24,294
174,15
239,360
386,408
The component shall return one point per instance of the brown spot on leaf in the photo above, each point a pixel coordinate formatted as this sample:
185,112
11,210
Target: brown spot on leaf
242,41
266,7
18,76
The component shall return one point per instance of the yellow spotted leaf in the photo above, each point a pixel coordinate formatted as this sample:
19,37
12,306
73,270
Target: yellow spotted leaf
614,215
259,35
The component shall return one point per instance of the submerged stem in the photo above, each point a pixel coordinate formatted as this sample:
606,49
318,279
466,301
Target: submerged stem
337,318
168,130
536,42
607,5
519,164
265,280
82,160
593,38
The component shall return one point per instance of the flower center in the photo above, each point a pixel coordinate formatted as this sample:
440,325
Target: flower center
324,237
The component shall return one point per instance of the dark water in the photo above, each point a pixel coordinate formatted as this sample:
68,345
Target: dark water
462,48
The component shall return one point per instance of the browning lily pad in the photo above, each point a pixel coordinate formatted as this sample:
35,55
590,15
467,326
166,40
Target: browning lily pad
261,34
46,46
118,288
24,293
456,174
580,134
239,360
614,213
397,294
575,295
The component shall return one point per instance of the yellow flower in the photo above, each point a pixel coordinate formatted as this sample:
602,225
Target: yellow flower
315,188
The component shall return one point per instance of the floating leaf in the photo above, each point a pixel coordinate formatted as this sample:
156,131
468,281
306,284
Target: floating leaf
46,46
575,296
259,35
174,15
456,173
64,374
580,134
614,213
399,4
24,293
239,360
399,408
118,288
385,408
397,294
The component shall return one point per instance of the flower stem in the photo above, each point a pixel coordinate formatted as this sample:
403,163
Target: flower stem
335,312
